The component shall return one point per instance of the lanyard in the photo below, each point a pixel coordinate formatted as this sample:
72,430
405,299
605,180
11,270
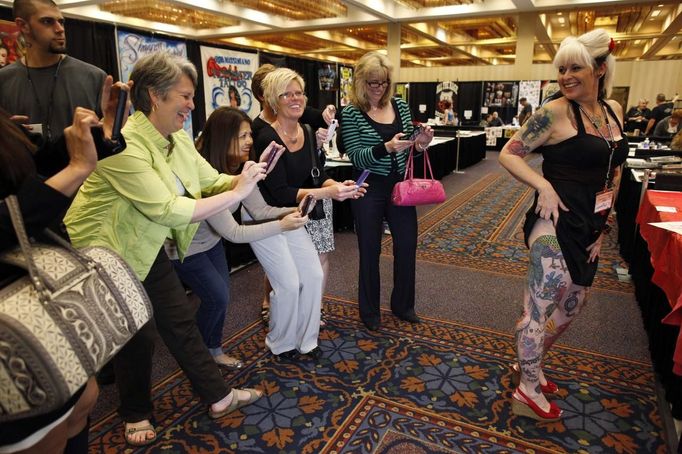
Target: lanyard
611,144
48,116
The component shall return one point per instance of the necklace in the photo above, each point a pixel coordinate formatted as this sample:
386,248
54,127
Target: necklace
293,139
610,143
48,113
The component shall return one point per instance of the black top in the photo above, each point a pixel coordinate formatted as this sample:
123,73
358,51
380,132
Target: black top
40,205
576,169
637,112
661,111
291,173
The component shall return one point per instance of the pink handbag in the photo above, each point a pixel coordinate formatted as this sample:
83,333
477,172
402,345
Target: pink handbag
418,191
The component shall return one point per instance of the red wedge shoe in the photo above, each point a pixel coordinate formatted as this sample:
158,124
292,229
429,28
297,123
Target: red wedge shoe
549,388
523,405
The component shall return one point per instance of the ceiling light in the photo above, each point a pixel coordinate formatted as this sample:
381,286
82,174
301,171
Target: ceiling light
655,13
562,20
559,13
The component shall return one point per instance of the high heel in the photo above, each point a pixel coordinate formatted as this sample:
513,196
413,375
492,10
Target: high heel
549,388
523,405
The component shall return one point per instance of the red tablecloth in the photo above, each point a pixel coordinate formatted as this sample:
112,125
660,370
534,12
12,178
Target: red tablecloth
665,248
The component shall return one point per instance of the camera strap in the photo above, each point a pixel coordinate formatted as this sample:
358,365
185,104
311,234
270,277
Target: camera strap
315,168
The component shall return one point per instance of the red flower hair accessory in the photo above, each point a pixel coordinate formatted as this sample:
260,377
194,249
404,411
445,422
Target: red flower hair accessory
612,45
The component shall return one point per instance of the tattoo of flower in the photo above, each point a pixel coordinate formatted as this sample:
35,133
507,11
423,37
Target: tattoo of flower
517,148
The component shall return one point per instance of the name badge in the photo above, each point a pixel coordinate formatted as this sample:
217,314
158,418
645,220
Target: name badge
603,201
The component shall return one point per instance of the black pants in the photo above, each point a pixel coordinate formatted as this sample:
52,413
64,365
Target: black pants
174,317
369,212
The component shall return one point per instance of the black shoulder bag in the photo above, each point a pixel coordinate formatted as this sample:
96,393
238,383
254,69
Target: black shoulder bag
318,212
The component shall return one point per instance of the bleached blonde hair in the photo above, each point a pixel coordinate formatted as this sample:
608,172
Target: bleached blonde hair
591,50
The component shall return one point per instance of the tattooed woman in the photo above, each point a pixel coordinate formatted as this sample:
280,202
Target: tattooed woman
581,140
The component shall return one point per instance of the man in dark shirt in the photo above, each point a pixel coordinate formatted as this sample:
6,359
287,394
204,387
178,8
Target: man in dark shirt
42,89
526,112
496,120
658,113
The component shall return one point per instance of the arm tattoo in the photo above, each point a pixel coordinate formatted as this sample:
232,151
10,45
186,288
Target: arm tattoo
517,148
539,124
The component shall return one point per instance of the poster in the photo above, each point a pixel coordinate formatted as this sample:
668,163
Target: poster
446,106
327,77
132,46
548,88
529,89
9,52
227,79
345,84
500,94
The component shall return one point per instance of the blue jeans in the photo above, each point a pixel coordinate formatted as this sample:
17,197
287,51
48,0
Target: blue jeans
207,274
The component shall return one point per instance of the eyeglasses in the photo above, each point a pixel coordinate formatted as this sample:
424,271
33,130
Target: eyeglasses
378,83
291,94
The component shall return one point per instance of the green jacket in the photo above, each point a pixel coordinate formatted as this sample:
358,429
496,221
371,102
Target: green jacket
130,203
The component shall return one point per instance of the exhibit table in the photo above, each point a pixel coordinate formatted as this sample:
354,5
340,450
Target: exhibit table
657,273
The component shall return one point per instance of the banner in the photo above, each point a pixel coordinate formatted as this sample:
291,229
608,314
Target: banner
327,77
345,84
9,51
500,94
132,47
227,79
446,94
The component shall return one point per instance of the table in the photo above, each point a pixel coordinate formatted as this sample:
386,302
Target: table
443,154
656,270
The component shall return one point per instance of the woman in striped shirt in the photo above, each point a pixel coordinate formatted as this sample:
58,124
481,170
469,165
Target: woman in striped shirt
375,127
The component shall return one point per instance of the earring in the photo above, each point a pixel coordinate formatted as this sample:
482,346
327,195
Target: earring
154,107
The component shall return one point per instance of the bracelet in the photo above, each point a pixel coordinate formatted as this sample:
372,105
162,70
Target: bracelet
421,148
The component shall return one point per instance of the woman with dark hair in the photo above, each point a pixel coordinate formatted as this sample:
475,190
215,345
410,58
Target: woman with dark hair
42,202
233,94
580,135
159,187
225,142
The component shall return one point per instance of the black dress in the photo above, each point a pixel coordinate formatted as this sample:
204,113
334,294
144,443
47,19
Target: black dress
576,168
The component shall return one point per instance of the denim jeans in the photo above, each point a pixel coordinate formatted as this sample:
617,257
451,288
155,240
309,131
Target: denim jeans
207,274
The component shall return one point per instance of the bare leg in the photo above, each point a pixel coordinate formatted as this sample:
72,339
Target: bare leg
324,261
265,305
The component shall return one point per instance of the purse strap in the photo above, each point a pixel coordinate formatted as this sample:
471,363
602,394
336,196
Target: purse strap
25,245
409,166
315,169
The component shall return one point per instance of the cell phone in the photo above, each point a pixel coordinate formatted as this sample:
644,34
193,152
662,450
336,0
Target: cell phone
305,205
361,179
332,129
418,129
120,112
271,159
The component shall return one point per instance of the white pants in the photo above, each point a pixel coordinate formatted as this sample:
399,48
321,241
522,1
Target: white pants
292,265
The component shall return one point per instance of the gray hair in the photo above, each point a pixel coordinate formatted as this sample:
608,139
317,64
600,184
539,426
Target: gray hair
158,73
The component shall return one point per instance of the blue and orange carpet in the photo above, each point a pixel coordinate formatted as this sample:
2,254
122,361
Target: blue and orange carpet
438,387
480,229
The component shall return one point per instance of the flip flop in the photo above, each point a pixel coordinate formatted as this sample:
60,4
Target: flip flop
230,363
254,395
128,432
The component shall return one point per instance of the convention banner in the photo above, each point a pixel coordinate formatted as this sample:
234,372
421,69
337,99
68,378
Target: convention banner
446,106
227,79
9,45
133,46
345,84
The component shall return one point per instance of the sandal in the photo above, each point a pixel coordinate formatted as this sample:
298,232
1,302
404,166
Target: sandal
323,318
265,315
549,388
523,405
130,431
254,395
228,362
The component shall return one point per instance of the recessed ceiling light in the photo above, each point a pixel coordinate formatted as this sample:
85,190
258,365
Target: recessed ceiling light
559,13
655,13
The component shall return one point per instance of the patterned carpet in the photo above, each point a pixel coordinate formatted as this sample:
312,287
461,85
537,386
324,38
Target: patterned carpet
437,387
480,228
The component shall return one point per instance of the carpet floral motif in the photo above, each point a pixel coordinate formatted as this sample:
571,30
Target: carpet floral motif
481,228
439,387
